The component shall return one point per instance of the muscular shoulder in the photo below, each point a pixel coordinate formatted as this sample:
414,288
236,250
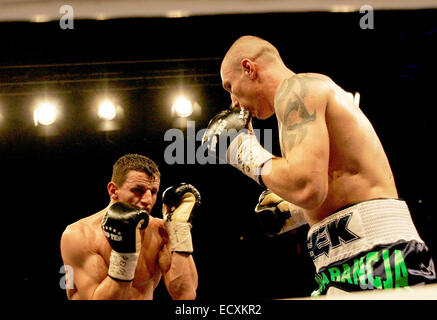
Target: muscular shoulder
77,230
304,93
303,86
302,81
85,227
80,238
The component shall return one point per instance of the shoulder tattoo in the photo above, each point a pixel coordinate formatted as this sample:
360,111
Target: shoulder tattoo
292,111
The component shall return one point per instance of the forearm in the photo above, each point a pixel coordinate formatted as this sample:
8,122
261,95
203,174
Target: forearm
290,182
182,278
110,289
122,225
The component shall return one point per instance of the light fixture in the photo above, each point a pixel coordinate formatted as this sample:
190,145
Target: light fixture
107,110
182,107
45,113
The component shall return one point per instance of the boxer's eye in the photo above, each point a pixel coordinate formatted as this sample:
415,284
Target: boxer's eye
138,190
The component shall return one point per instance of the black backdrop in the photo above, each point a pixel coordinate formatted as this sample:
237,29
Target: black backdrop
51,181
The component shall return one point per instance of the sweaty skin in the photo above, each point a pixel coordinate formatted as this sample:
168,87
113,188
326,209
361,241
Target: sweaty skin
312,110
85,248
331,154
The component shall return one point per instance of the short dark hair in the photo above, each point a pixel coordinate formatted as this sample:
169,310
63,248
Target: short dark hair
134,162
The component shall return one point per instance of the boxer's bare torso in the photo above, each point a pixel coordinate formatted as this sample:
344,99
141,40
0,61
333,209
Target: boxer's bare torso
358,168
86,248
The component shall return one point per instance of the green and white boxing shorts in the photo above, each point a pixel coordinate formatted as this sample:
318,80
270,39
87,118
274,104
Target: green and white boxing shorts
369,245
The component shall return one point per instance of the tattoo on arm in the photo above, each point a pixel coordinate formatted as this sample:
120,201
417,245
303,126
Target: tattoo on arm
295,117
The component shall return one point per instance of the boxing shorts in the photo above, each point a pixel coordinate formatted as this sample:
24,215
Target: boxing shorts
369,245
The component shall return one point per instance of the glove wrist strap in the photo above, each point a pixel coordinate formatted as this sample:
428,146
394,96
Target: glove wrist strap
122,265
179,236
247,155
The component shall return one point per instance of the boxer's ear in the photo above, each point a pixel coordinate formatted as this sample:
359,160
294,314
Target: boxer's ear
112,190
249,68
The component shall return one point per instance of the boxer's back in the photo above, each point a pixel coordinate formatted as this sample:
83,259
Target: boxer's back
358,167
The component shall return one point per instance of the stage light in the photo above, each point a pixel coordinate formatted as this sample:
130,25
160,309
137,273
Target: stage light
107,110
45,113
182,107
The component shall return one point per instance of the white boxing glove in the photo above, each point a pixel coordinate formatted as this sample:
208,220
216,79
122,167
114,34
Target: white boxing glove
178,204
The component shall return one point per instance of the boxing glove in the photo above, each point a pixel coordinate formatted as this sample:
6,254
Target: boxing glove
277,215
121,225
229,139
179,203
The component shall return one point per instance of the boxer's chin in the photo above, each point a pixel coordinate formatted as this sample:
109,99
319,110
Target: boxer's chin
262,115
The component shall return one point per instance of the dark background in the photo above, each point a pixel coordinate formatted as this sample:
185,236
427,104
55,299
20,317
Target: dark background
51,179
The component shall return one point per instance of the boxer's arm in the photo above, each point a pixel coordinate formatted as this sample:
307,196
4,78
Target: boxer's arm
301,175
89,270
175,258
179,274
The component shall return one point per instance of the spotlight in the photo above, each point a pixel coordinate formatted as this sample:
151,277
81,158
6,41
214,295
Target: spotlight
107,110
182,107
45,113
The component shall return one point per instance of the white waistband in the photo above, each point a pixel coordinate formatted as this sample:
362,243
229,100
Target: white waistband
359,228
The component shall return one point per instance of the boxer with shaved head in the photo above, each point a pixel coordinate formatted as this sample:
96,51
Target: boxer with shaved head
333,172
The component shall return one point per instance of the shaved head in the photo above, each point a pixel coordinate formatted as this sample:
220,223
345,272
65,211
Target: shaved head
250,47
251,72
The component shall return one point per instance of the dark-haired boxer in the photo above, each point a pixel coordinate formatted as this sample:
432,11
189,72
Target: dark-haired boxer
333,167
122,252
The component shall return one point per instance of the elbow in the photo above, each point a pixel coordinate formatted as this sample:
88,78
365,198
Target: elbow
180,290
189,295
313,198
185,295
309,194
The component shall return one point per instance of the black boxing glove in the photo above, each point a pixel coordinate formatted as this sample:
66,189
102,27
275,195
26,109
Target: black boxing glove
121,225
243,152
277,215
178,205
